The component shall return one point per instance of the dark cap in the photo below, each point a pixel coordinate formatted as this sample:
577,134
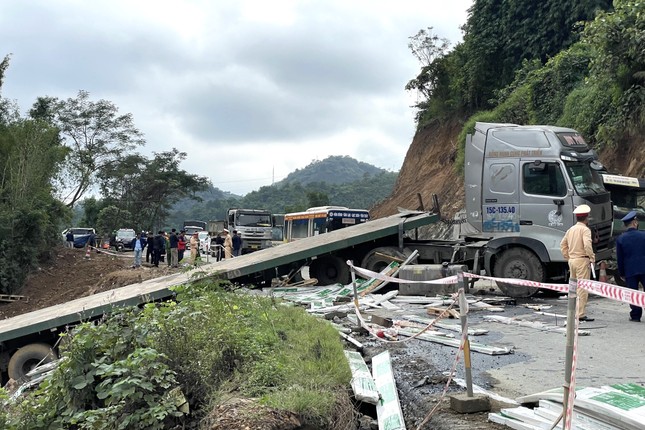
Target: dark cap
629,217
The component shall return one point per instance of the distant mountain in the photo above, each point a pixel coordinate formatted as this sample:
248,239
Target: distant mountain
336,180
336,169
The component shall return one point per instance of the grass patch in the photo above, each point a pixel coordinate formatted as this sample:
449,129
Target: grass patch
212,344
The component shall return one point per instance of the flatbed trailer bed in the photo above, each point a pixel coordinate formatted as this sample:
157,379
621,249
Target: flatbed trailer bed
41,326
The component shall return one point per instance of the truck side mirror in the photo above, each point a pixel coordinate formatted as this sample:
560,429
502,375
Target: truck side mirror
559,203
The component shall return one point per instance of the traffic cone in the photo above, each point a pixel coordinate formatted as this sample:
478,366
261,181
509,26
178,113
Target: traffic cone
602,273
87,252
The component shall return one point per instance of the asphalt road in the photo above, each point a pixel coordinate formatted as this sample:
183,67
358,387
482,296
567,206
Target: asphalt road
613,353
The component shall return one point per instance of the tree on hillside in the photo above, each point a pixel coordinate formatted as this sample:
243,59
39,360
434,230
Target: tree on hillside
29,216
160,183
499,34
96,134
618,38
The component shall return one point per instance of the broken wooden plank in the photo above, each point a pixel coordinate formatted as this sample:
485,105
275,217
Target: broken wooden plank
474,346
416,327
377,284
451,327
362,382
10,298
438,311
348,338
388,409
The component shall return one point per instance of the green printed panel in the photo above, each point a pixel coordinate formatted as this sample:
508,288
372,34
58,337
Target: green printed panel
381,368
388,392
620,400
366,384
631,389
393,422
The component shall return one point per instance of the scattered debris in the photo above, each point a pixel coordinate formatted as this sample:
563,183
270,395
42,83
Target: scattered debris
10,298
388,410
474,346
537,325
362,382
615,407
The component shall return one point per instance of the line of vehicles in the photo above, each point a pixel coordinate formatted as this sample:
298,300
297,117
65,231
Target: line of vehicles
521,186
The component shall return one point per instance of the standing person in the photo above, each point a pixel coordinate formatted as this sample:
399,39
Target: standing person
138,245
194,248
228,244
174,252
159,245
577,249
150,250
166,237
69,239
630,250
219,247
237,243
181,245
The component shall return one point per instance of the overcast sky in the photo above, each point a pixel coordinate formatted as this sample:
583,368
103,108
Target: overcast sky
250,89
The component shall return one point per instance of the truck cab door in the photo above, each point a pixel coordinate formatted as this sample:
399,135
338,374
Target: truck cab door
547,203
500,196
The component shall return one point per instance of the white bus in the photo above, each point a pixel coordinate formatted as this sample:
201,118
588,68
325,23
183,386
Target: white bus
322,219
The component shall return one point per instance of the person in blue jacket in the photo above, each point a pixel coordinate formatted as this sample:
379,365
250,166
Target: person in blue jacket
630,251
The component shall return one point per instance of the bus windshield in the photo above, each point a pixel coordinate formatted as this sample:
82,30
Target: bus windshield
585,180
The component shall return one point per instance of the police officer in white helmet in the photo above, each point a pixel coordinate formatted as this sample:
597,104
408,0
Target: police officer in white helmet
577,249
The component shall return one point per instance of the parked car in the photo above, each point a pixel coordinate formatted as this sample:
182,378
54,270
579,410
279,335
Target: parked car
81,235
123,239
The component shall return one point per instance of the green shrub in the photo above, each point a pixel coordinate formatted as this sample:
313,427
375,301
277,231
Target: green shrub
120,373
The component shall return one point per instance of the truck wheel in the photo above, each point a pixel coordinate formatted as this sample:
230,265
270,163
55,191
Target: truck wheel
518,263
329,270
376,262
27,358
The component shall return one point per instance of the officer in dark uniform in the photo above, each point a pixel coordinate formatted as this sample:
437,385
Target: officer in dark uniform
630,250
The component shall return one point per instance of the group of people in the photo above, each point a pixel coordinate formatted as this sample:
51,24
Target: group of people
227,245
577,249
170,247
164,246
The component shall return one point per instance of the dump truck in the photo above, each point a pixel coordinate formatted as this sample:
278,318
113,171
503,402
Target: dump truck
255,227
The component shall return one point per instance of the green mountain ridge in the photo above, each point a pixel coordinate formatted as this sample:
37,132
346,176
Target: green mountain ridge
336,180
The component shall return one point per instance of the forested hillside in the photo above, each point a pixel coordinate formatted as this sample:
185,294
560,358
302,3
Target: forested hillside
336,180
578,64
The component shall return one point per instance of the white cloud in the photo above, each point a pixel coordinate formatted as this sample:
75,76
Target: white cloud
247,88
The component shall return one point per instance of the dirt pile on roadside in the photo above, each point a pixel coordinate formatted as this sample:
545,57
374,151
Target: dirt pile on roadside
69,275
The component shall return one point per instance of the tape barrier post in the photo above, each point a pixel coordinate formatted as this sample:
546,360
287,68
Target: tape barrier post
568,360
463,316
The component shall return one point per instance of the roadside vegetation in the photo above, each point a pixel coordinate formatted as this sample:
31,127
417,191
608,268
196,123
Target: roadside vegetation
572,63
146,368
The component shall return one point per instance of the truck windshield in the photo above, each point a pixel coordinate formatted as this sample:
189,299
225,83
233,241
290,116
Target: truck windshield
585,180
254,220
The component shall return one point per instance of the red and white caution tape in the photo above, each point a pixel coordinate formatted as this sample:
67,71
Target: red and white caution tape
368,274
563,288
610,291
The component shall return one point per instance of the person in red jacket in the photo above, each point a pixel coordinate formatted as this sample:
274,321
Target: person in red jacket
181,245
